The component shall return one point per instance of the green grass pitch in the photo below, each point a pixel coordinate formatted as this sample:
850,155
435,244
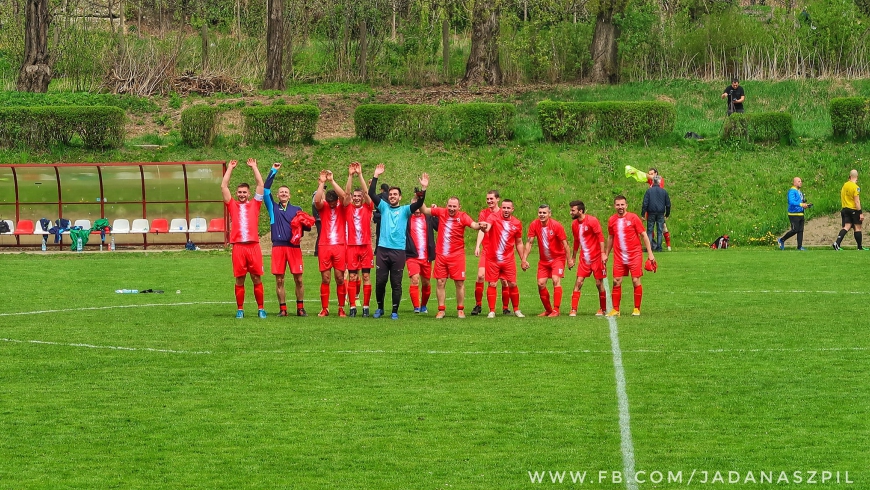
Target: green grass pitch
744,361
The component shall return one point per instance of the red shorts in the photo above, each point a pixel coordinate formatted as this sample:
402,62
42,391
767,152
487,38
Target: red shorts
282,256
331,256
481,263
450,267
419,266
247,258
359,257
501,270
596,269
552,268
634,268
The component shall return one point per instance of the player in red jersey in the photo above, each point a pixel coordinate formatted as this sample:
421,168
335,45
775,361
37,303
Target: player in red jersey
333,239
589,238
504,235
244,220
492,207
420,252
450,252
623,230
553,251
358,215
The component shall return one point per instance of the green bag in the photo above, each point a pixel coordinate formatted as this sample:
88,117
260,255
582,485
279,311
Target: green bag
75,235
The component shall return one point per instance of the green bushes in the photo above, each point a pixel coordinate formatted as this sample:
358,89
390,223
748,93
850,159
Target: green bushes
620,121
130,103
199,125
280,124
477,123
41,127
850,117
758,127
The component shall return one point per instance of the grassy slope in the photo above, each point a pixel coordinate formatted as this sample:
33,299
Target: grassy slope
715,188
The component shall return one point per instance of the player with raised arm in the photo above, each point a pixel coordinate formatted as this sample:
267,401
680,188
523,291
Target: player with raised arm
333,239
553,249
450,252
360,259
492,208
589,239
504,235
244,218
288,223
625,232
390,255
420,252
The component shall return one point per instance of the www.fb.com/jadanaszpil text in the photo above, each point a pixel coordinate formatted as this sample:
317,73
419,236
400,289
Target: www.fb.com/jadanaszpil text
693,477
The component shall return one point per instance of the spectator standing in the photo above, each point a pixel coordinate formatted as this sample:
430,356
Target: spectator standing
734,95
656,207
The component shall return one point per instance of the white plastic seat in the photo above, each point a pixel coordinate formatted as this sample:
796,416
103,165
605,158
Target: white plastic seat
84,223
178,225
121,226
11,227
198,225
37,230
140,226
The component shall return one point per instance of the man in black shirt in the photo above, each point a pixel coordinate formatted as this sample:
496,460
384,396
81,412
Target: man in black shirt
733,94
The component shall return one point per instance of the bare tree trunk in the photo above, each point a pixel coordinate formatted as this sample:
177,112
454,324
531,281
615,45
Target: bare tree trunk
122,6
393,32
525,10
237,25
363,49
274,79
110,16
139,20
445,45
35,73
483,65
204,36
605,66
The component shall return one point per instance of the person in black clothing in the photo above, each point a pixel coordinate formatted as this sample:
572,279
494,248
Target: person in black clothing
734,95
656,207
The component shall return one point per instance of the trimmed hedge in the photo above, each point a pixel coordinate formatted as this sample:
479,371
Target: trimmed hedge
476,123
850,117
280,124
199,125
576,122
758,127
41,127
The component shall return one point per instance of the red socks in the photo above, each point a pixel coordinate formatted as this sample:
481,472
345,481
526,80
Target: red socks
617,296
240,297
557,296
514,294
324,296
667,239
602,300
414,291
367,294
545,299
352,292
506,296
258,295
638,296
490,297
341,291
427,291
478,293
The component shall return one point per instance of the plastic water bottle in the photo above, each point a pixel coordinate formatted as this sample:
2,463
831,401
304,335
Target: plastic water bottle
43,246
78,244
112,245
127,291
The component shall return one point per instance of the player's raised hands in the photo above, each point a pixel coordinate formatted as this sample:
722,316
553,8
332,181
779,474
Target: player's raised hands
322,176
424,181
329,175
232,164
276,165
252,162
379,170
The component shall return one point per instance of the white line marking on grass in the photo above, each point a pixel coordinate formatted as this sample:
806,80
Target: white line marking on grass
768,291
110,347
67,310
626,444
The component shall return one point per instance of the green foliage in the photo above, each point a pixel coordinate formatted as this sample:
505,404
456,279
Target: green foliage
477,123
850,117
199,125
129,103
619,121
280,124
175,101
759,127
41,127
